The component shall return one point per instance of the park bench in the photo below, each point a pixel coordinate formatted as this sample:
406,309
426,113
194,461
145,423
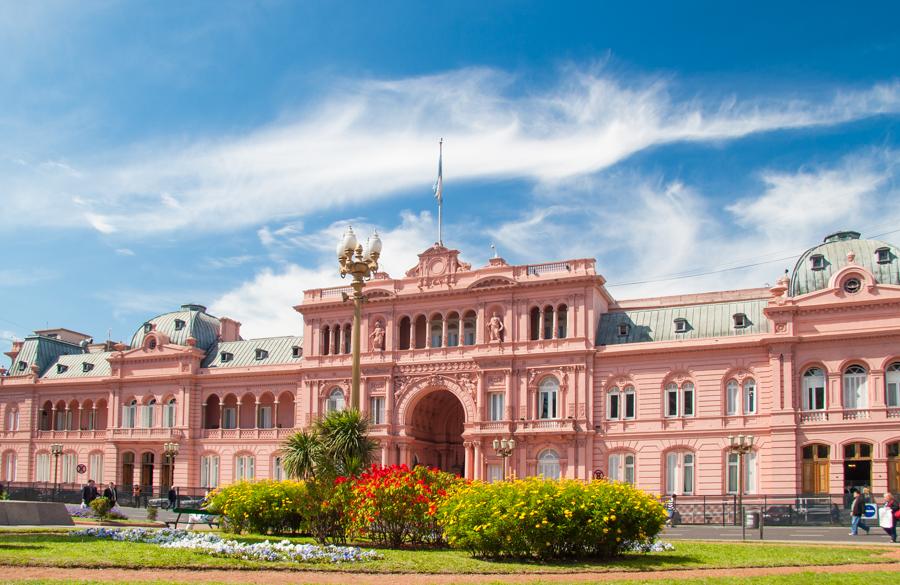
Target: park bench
211,517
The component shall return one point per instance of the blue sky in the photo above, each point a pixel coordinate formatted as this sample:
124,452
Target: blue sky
153,154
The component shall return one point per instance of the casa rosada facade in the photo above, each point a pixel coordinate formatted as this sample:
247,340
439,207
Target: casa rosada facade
646,391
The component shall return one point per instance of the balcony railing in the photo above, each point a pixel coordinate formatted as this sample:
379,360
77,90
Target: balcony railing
547,425
141,433
273,433
92,434
813,416
856,414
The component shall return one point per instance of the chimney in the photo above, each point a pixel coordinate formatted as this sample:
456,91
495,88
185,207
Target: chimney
14,350
229,329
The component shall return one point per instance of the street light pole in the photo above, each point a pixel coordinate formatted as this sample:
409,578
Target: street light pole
171,451
56,449
504,448
361,263
741,445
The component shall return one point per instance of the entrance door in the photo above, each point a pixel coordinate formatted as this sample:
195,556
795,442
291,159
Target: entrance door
165,474
127,470
857,466
436,425
815,469
893,453
147,472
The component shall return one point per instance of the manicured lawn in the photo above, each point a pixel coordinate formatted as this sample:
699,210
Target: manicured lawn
875,578
42,549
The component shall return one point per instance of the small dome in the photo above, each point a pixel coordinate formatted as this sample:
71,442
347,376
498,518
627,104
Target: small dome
816,266
192,321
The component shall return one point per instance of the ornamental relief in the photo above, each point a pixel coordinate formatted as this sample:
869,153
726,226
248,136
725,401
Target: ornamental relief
619,381
561,374
326,386
739,374
438,367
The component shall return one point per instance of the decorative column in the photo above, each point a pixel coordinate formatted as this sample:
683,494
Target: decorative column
237,415
52,418
256,415
275,415
542,320
476,460
444,331
467,467
412,333
460,333
221,415
93,424
555,323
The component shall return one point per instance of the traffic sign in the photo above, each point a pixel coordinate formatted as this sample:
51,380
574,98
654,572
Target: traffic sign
81,468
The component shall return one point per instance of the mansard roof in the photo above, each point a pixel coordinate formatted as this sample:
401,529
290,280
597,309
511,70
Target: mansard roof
40,351
73,366
702,321
833,254
197,323
277,351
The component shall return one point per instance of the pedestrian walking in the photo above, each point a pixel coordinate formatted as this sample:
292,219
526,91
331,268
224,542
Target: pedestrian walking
111,494
887,516
88,493
136,495
173,498
857,511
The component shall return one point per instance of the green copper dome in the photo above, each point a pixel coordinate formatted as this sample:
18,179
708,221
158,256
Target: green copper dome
191,321
817,265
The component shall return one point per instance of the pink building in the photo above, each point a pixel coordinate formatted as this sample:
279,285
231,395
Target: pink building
644,390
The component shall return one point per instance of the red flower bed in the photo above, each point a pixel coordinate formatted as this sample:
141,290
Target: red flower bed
396,505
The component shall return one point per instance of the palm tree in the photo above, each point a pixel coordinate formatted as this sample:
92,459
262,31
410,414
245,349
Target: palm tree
337,445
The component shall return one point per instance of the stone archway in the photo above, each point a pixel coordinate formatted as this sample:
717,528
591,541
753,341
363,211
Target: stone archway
435,426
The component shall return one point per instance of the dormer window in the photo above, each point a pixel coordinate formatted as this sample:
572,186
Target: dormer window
86,367
624,328
740,320
297,351
226,356
261,354
61,368
817,262
883,255
22,366
179,324
681,325
148,327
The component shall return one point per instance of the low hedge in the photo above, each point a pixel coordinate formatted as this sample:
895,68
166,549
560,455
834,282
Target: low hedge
545,519
262,507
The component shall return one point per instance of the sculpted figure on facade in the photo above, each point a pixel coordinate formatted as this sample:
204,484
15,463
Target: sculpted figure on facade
495,326
377,337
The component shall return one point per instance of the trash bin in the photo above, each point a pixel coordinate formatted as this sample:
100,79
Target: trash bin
752,520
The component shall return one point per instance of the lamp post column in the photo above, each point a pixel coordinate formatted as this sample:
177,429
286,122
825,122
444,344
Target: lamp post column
356,338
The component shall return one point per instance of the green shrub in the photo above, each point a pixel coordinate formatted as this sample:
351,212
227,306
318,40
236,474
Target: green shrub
395,505
101,507
325,510
152,512
545,519
261,507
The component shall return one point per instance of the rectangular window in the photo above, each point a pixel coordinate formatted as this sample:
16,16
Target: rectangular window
614,470
277,469
497,406
42,467
629,469
494,472
731,397
680,473
672,400
614,406
629,405
671,472
749,397
229,417
688,487
732,487
9,467
95,467
547,404
147,416
893,394
69,463
376,410
245,468
209,471
265,417
688,391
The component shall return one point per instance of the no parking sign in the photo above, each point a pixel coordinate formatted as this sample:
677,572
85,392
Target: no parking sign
871,511
81,468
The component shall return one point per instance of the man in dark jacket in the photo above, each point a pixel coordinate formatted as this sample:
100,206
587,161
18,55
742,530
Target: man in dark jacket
89,492
111,494
857,511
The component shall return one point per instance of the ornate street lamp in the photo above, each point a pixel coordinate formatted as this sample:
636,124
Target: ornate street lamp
170,451
361,263
741,445
504,448
56,449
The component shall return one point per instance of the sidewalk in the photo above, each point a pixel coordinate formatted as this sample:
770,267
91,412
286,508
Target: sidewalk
813,534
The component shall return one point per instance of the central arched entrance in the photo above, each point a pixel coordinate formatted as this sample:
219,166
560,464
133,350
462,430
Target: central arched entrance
436,426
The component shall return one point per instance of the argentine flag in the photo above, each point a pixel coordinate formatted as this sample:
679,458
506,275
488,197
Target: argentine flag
438,186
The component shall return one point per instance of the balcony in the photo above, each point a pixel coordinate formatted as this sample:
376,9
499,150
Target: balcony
50,435
146,434
235,434
547,425
856,414
813,416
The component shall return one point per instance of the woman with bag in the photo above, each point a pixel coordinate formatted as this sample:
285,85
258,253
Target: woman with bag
888,516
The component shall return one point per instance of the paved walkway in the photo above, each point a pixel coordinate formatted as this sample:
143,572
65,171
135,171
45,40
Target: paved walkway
781,533
336,578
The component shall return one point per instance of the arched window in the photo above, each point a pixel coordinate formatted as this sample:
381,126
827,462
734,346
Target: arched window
679,401
814,389
9,466
404,333
244,467
421,331
855,394
469,322
169,414
548,398
535,322
335,400
453,329
548,464
42,467
69,464
127,468
892,385
326,340
621,403
562,321
436,330
732,397
749,396
348,336
814,476
621,467
548,322
149,414
129,414
209,471
95,467
680,473
750,473
12,418
277,468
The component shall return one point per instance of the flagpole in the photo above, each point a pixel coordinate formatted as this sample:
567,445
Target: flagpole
440,192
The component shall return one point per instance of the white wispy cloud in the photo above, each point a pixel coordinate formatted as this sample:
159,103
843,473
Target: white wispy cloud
375,138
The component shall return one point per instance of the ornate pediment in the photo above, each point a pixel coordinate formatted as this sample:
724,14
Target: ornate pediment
493,282
438,266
